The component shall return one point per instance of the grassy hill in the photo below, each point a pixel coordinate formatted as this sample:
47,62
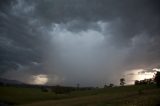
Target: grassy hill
141,95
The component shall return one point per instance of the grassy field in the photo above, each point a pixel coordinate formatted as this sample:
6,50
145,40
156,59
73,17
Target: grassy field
145,95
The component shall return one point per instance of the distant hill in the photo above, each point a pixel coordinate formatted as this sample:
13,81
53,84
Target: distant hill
7,81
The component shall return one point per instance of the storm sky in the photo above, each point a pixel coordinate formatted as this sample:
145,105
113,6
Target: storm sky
90,42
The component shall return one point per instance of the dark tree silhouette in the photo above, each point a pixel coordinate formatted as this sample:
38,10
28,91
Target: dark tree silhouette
111,85
136,82
145,81
122,81
157,78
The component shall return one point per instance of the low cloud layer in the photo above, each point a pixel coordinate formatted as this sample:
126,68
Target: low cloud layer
77,41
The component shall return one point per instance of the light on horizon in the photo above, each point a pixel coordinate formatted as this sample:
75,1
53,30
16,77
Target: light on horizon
40,79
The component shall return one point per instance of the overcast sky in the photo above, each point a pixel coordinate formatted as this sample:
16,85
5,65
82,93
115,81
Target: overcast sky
91,42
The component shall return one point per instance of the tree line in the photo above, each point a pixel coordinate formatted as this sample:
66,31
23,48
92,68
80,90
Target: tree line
154,80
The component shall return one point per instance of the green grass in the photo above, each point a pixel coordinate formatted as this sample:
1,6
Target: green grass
146,95
17,95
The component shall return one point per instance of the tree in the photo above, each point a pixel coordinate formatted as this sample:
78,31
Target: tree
111,85
157,78
136,82
122,81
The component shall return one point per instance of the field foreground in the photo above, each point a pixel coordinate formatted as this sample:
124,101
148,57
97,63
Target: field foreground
145,95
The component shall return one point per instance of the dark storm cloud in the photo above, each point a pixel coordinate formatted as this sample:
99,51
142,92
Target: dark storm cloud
20,43
128,18
72,37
